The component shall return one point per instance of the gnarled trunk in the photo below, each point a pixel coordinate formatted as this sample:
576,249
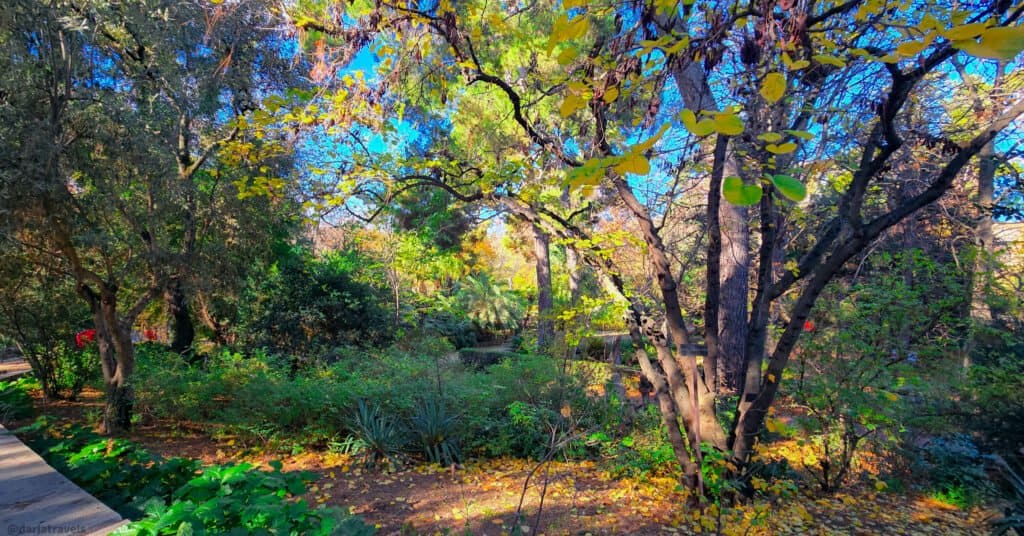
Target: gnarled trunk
117,357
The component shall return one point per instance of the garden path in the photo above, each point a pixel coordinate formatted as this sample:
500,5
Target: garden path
36,499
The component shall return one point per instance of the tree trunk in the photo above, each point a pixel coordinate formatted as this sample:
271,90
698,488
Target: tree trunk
732,307
984,245
117,357
182,329
733,243
572,265
545,299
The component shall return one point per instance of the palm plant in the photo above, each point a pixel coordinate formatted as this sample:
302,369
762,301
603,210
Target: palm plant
489,305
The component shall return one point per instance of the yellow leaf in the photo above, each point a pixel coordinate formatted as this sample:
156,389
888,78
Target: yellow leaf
633,162
565,30
728,124
829,60
771,378
785,148
566,56
770,137
610,95
928,22
967,31
773,87
880,485
649,142
770,425
794,65
571,103
912,48
802,134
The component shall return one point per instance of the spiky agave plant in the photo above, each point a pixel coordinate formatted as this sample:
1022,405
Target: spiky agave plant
436,430
382,438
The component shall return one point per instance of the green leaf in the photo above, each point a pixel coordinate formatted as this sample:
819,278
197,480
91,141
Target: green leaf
702,128
790,187
737,193
567,56
966,31
781,149
589,174
802,134
728,124
1003,43
773,87
825,59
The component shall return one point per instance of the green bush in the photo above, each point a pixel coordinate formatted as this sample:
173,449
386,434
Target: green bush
305,303
118,472
508,409
956,469
870,356
238,499
457,330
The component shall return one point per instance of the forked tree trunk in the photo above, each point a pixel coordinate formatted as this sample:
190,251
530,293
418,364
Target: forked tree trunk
117,358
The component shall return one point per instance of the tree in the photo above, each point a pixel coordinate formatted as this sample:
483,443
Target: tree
107,177
787,97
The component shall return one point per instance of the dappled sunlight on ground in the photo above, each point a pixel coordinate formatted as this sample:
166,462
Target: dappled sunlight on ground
482,497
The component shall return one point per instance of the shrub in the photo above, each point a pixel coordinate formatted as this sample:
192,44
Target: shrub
866,360
458,331
307,303
956,469
240,499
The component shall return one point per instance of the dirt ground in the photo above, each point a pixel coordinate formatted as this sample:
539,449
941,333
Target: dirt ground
579,498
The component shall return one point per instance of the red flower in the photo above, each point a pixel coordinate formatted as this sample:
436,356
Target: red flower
84,337
808,325
150,334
